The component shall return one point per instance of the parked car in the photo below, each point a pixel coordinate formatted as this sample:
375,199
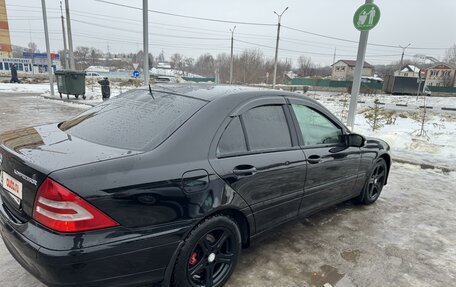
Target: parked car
173,193
165,79
93,75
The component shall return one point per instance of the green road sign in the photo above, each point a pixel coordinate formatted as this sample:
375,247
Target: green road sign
366,17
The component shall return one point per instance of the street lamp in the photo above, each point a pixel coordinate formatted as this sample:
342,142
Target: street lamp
402,57
279,17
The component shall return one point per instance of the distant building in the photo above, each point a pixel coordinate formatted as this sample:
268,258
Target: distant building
441,75
31,63
408,71
342,70
23,65
40,62
404,81
5,40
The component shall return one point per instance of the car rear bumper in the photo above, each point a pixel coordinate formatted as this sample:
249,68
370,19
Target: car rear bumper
125,262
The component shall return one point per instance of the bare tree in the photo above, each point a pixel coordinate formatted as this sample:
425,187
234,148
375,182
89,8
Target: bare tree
450,55
82,54
305,67
178,62
223,63
205,65
282,69
250,66
94,55
161,57
32,47
189,64
324,71
139,59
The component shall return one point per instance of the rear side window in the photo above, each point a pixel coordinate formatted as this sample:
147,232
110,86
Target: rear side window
266,128
232,140
133,120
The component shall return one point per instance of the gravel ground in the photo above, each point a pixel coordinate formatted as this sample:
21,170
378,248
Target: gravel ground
408,238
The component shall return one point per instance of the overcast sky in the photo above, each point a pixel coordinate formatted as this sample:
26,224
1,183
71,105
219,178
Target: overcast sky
423,23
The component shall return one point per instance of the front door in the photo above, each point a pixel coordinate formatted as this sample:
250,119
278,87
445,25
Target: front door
332,168
260,159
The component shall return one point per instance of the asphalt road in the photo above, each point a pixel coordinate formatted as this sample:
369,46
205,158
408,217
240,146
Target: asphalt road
408,238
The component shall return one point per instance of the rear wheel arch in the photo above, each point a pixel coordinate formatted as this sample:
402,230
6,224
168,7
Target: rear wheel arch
233,213
241,221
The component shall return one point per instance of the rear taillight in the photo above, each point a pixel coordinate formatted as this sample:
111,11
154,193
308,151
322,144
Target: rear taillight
60,209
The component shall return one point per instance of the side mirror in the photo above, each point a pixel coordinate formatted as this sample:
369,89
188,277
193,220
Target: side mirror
355,140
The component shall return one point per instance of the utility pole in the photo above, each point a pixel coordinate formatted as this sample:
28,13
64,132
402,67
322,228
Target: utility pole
231,59
33,61
146,41
70,37
402,56
65,50
48,49
274,77
334,56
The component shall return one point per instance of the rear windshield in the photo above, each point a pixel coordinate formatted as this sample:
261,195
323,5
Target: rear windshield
134,120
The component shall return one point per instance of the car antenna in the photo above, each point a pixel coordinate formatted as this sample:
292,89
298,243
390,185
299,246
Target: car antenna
150,91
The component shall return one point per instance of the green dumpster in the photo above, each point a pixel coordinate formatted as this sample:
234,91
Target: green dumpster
71,82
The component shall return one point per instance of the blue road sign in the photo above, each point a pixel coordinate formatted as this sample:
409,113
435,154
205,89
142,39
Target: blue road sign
135,74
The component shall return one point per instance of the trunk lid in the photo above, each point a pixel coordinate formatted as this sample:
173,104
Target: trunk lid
28,155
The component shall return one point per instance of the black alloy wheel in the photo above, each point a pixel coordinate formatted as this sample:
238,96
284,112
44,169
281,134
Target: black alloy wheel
209,255
375,182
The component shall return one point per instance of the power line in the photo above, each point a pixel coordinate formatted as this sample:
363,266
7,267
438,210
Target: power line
335,38
314,53
186,16
353,41
84,14
156,34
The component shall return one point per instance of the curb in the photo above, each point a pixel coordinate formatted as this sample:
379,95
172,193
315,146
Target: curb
424,165
67,101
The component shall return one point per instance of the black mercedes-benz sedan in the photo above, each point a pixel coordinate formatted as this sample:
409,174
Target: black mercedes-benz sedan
167,185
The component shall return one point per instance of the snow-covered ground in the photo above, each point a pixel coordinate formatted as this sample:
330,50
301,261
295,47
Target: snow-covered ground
25,88
449,102
93,92
435,146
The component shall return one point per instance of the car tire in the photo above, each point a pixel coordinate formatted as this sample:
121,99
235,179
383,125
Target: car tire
374,183
209,253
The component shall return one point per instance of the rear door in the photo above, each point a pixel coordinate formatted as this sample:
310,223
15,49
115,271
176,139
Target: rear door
332,166
259,157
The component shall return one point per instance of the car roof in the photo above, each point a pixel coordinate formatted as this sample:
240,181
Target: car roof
211,92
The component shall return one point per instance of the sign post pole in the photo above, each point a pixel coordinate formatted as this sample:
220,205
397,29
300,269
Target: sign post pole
365,18
146,41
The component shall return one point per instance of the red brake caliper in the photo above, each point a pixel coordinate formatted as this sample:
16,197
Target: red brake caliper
192,260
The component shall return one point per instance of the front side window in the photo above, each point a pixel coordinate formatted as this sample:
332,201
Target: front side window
232,140
315,127
267,128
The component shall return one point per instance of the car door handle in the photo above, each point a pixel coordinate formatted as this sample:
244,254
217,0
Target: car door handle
244,170
313,159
